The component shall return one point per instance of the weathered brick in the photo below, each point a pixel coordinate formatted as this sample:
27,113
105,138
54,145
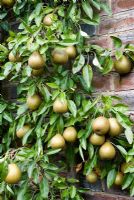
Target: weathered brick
126,36
102,83
122,5
105,196
121,22
124,82
126,96
103,41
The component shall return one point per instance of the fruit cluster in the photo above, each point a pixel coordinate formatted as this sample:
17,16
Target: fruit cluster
55,126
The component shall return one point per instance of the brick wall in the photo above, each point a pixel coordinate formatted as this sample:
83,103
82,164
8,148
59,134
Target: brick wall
120,24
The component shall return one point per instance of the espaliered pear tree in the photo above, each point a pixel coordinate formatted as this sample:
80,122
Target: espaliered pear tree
55,126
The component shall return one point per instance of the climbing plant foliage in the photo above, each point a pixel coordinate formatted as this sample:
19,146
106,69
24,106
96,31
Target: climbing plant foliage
48,171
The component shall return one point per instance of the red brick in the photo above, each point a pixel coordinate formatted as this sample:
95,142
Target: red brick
122,5
121,22
102,83
126,36
124,82
103,41
105,196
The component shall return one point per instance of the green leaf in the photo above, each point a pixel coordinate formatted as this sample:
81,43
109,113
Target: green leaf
7,68
53,151
44,188
8,116
87,9
118,54
87,75
108,65
106,8
22,192
73,192
81,153
111,177
53,85
78,64
31,90
53,118
117,42
96,4
25,138
10,189
127,181
129,47
132,189
90,164
60,124
122,150
97,63
22,109
90,150
3,170
2,107
72,107
129,135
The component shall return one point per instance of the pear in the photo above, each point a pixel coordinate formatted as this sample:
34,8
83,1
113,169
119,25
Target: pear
107,151
14,174
59,56
48,20
36,60
123,65
7,3
115,127
22,131
91,177
70,134
119,179
71,51
60,106
97,139
57,141
14,58
100,125
33,102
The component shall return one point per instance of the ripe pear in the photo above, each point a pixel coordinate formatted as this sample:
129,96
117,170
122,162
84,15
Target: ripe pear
91,177
119,179
59,56
22,131
97,139
36,60
57,141
60,106
14,174
33,102
115,127
71,51
37,72
48,20
7,3
107,151
14,58
70,134
100,125
123,65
